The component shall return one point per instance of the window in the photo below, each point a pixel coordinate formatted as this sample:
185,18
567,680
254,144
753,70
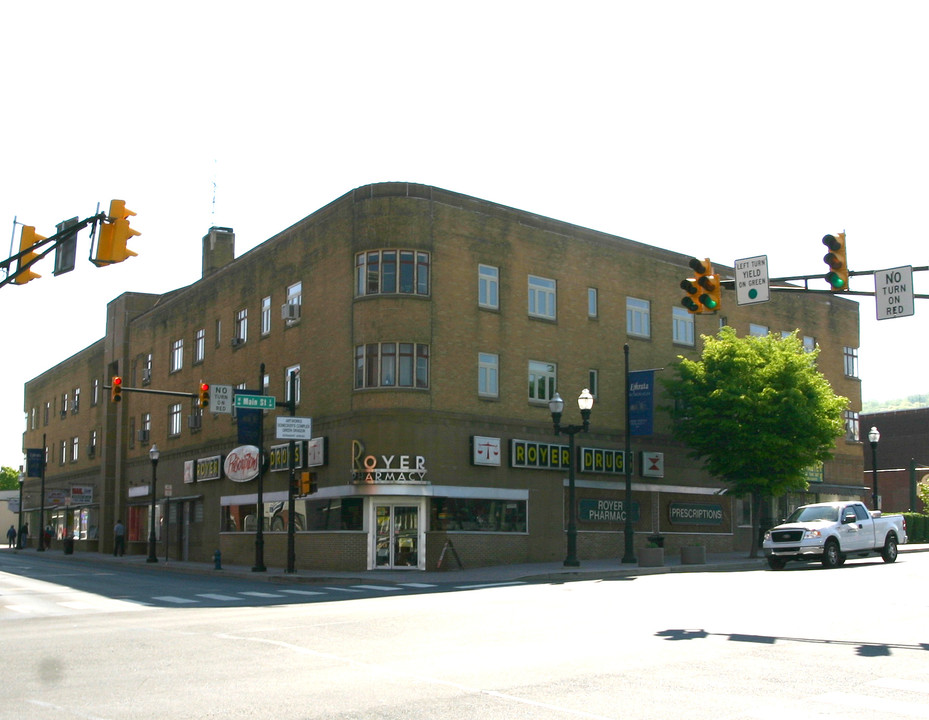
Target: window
266,315
809,344
593,382
95,392
851,426
757,330
851,361
295,294
174,420
488,286
219,332
541,381
34,419
76,404
381,272
75,449
146,365
478,515
146,424
391,364
682,326
63,456
177,355
638,317
241,327
541,297
48,412
64,404
592,309
296,370
199,345
92,446
488,372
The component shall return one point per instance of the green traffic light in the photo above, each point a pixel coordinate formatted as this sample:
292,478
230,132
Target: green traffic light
708,302
835,280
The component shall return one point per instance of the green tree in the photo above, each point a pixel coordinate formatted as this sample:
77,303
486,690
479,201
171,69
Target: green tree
9,478
757,412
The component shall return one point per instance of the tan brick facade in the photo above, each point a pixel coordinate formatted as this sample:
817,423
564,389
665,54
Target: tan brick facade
435,332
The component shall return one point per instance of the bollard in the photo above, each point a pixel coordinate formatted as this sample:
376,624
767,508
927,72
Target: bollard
217,560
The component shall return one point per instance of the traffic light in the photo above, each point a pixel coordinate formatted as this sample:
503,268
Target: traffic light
307,483
836,259
114,234
203,396
703,292
28,238
116,389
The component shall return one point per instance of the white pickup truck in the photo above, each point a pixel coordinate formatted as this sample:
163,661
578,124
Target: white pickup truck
832,532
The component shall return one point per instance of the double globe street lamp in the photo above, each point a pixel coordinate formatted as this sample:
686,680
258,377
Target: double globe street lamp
556,405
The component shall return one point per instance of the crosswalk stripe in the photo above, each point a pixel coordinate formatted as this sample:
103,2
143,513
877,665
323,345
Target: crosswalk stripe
174,599
303,592
343,589
377,587
216,596
419,585
261,594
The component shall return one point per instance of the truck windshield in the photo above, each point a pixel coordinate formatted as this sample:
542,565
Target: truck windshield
823,513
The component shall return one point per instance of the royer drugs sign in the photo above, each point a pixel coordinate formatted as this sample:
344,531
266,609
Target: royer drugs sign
893,292
751,280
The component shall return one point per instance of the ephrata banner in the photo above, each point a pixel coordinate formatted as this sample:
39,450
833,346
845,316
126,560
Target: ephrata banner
641,401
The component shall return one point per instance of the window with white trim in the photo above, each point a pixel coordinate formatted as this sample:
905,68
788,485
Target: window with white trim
384,272
542,379
266,315
488,286
851,361
174,420
177,355
392,364
638,317
542,297
488,373
241,325
199,345
682,331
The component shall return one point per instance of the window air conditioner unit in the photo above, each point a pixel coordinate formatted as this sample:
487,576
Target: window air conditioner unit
194,421
290,311
143,436
237,341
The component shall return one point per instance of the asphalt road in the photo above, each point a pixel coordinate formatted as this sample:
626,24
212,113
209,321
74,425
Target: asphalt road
804,643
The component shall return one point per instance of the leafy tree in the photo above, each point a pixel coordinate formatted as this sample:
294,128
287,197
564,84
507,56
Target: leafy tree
9,478
757,412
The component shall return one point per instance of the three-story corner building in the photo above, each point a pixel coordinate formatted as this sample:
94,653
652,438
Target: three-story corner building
424,333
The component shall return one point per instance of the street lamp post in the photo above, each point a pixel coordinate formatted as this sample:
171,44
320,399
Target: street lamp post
19,515
556,406
154,455
874,437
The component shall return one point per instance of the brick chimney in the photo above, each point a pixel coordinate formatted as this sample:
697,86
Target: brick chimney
218,249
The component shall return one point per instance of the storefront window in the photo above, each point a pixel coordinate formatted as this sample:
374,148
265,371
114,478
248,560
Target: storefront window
475,515
331,514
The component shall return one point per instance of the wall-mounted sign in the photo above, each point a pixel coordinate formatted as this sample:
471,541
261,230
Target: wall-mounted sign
280,457
695,513
242,463
652,464
485,450
602,460
317,452
386,468
603,510
539,456
82,494
209,468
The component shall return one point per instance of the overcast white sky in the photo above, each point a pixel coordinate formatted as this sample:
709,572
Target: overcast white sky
719,129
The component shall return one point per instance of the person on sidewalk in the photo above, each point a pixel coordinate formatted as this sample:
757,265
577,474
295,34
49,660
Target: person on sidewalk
11,536
119,538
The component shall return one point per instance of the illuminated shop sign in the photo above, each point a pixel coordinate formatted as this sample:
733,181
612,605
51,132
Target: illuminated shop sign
600,460
695,513
547,456
208,468
280,456
375,469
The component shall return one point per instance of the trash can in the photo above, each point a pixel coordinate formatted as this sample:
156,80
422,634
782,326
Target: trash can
69,545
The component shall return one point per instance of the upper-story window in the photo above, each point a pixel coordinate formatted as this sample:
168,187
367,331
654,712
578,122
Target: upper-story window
241,327
593,309
76,404
851,361
174,420
488,375
177,355
95,391
199,345
391,364
682,326
542,379
757,330
542,299
266,315
488,286
381,272
638,317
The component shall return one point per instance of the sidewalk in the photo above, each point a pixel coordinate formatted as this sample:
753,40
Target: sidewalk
496,574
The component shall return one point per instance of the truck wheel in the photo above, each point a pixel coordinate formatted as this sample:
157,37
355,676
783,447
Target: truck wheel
831,554
889,551
776,563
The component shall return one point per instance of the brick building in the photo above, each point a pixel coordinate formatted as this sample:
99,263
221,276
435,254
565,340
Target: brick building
902,457
425,332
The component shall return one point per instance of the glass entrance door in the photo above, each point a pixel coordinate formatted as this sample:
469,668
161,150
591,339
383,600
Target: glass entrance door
397,536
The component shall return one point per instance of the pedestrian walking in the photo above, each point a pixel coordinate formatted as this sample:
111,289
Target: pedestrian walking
11,536
119,538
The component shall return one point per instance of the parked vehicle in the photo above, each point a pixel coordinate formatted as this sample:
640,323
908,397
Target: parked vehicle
831,533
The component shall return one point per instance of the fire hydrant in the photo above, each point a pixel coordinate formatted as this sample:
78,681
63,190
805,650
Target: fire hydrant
217,560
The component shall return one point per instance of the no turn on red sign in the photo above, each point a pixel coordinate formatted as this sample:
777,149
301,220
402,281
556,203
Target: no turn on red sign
893,293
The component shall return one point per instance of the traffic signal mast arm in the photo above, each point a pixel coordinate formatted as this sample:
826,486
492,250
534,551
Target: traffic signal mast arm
50,244
192,396
730,284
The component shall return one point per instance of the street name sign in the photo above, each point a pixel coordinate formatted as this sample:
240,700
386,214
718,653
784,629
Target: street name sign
221,399
893,293
751,280
255,402
294,428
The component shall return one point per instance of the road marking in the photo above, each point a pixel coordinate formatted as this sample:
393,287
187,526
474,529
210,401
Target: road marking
419,585
303,592
255,593
342,589
384,588
489,585
174,599
216,596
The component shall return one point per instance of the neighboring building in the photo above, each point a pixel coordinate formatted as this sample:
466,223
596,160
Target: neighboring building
902,458
426,332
